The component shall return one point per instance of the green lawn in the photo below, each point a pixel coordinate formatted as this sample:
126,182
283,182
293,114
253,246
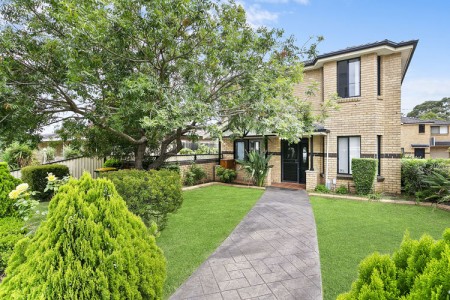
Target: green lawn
206,218
350,230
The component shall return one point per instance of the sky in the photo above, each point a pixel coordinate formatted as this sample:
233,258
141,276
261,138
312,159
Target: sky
345,23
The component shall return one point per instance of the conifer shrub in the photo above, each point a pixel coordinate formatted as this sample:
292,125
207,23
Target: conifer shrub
7,184
11,231
36,177
419,269
90,247
364,171
149,194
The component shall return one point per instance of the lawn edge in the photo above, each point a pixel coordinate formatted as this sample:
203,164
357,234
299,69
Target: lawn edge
188,188
390,201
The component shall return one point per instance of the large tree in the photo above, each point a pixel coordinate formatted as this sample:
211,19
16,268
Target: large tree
439,110
137,75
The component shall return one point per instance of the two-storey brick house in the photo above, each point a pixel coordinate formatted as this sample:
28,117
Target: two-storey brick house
368,81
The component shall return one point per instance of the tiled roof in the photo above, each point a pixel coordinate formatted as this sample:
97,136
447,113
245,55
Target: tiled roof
409,120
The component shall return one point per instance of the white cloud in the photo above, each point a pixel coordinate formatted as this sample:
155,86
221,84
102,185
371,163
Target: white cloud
258,16
416,91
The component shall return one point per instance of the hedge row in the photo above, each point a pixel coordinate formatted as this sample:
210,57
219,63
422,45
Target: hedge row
36,177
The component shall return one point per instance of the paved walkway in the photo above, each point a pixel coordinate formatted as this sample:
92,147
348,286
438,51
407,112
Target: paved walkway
271,254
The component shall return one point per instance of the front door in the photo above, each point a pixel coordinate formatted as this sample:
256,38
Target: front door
294,161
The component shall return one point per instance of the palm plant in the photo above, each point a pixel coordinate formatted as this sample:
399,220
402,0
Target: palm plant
439,185
257,166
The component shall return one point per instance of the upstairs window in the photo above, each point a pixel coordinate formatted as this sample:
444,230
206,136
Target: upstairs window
349,78
421,128
439,129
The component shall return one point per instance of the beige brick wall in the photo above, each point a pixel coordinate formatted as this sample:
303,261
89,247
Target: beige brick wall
410,135
207,167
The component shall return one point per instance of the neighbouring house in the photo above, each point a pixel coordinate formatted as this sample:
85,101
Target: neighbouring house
368,80
425,138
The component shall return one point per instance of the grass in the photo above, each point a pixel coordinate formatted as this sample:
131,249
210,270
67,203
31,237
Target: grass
348,231
206,218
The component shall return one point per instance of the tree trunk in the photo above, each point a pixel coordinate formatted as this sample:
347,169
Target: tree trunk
139,155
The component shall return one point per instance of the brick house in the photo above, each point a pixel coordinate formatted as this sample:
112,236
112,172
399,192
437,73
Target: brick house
368,80
425,138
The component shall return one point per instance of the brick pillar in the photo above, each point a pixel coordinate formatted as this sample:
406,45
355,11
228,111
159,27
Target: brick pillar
311,180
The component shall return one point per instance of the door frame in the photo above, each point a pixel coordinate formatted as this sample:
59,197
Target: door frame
300,160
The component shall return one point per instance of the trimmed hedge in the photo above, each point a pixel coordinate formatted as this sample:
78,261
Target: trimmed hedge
149,194
364,171
11,231
7,184
415,171
90,247
36,177
420,269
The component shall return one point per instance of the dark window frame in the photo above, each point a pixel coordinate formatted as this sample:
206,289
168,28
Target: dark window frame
415,151
348,151
421,128
262,146
379,75
347,94
379,153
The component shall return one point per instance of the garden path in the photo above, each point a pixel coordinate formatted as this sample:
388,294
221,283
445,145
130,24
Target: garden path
272,254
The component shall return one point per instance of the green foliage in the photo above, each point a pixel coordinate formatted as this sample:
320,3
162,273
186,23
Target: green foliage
149,194
432,110
36,177
364,171
439,186
18,155
90,247
418,270
374,196
321,188
341,190
186,151
24,201
204,50
415,173
204,149
70,152
49,152
194,175
112,163
256,166
171,167
7,184
226,175
11,231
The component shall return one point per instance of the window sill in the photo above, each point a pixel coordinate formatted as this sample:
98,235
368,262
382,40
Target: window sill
352,99
380,97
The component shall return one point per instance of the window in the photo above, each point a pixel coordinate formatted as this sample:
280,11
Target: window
379,153
348,148
243,147
379,75
349,78
439,130
421,128
419,152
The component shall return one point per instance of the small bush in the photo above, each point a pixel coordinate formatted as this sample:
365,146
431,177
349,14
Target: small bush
90,247
70,152
149,194
171,167
186,151
36,177
18,155
112,163
7,184
420,269
364,171
11,231
321,188
374,196
194,175
226,175
342,190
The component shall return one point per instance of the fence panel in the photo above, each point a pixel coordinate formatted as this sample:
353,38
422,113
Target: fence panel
16,174
78,165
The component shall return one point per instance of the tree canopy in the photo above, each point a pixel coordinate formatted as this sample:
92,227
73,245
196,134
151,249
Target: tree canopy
429,110
134,76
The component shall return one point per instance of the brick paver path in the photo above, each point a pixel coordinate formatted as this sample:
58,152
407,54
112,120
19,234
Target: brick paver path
272,254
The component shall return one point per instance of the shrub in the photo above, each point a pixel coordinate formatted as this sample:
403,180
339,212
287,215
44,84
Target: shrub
49,152
438,187
90,247
18,155
342,190
256,166
11,231
36,177
149,194
204,149
186,151
171,167
24,202
374,196
70,152
419,269
364,171
7,184
321,188
112,163
226,175
194,175
415,171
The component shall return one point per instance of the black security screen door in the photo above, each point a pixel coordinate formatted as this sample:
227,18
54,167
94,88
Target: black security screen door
294,161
